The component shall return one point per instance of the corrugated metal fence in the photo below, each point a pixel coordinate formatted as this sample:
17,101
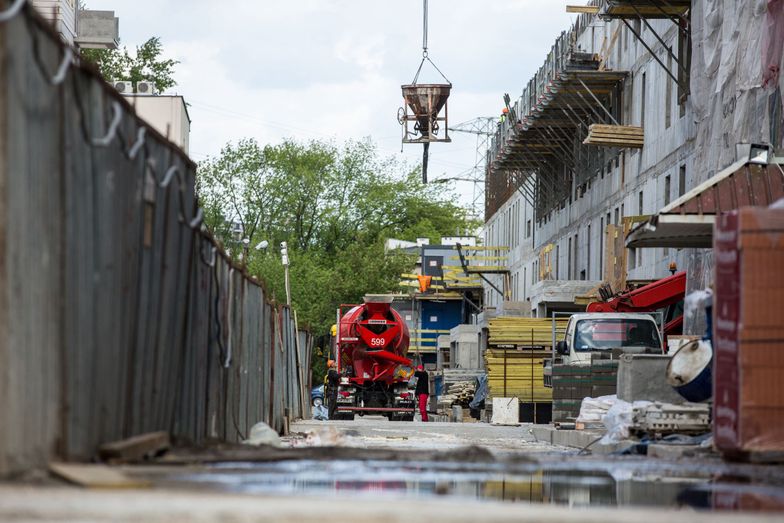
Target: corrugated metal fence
118,313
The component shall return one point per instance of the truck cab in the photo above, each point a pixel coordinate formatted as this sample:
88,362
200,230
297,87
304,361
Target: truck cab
597,332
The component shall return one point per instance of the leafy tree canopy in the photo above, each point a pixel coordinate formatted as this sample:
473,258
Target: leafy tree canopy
145,64
334,206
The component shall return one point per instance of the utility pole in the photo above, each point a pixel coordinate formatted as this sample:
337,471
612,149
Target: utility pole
284,256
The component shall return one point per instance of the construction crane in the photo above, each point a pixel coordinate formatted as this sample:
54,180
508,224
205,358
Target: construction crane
483,127
424,110
667,293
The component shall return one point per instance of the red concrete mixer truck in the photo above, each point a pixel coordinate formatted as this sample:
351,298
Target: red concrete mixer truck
370,350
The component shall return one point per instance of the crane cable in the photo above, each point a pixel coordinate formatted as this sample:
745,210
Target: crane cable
425,56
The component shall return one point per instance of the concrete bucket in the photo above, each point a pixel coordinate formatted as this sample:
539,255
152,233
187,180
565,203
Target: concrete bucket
425,102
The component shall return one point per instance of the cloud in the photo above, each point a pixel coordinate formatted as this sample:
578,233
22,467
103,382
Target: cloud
332,69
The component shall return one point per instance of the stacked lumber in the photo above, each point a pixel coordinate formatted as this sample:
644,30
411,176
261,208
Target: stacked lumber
509,331
460,393
517,374
615,136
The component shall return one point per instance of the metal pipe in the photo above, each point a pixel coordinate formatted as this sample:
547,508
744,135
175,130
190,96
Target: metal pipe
653,54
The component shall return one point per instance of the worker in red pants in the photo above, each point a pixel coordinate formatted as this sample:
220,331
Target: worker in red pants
422,390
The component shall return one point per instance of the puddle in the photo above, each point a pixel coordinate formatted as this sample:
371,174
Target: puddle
555,484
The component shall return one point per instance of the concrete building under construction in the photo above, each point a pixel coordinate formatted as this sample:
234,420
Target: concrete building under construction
636,105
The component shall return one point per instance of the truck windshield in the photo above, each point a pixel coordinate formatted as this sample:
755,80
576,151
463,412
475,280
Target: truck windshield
613,333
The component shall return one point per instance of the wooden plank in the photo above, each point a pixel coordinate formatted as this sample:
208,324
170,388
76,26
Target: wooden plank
583,9
135,448
95,476
612,132
616,129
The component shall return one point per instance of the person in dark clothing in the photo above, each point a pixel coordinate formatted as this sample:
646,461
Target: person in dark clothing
333,381
422,391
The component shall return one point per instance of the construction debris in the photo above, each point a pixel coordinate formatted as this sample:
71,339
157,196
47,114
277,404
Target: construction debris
666,418
137,448
95,476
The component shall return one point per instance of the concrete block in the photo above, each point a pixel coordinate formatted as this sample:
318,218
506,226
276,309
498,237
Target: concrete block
643,377
672,452
457,414
506,411
98,30
543,434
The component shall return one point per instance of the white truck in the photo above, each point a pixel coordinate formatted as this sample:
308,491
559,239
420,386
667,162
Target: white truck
598,332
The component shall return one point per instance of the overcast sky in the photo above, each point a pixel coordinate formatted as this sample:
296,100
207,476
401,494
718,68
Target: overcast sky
332,69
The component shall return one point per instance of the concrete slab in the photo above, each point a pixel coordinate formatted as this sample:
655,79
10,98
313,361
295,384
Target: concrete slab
675,452
578,439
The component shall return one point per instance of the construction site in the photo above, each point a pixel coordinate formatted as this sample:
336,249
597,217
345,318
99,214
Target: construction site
286,328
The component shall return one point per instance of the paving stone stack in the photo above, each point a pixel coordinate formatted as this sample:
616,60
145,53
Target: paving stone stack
572,383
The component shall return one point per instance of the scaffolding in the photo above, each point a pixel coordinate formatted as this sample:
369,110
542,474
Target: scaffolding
539,150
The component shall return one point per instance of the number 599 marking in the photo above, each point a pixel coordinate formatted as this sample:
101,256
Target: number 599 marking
377,342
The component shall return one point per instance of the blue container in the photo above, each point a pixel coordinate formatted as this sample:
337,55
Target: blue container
689,371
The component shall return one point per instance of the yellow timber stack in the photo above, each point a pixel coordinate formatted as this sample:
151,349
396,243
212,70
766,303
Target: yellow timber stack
517,348
515,332
517,374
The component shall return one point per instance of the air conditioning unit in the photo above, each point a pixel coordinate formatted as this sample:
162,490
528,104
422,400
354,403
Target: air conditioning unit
145,88
124,87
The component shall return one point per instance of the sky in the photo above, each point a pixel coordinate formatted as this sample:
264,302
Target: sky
332,69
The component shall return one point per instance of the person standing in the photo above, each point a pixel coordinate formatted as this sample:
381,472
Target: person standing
422,390
333,382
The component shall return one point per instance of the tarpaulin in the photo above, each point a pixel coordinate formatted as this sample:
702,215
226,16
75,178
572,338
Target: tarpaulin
773,43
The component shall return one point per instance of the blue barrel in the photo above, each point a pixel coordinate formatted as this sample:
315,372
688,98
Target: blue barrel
689,371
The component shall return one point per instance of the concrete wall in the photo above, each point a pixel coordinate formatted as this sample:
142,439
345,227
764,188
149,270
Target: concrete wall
61,13
167,114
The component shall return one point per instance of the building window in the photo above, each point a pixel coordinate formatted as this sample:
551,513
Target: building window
601,247
642,101
569,261
639,204
576,256
667,190
668,94
617,220
632,258
588,254
682,181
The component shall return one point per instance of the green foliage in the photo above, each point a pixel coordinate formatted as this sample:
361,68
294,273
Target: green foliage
146,64
335,206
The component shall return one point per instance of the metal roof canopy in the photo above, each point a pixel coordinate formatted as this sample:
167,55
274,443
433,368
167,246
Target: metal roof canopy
688,221
632,9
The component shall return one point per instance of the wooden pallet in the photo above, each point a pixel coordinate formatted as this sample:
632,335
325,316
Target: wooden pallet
624,136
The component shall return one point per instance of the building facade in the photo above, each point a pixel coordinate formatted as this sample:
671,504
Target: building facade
693,80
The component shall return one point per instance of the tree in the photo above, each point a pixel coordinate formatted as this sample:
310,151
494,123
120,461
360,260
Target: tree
146,64
335,206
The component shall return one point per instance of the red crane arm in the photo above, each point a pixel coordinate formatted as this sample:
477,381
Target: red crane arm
657,295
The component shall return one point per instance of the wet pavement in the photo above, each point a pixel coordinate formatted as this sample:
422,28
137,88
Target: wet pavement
430,461
372,469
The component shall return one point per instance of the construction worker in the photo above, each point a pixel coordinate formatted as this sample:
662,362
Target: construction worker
333,381
422,391
504,113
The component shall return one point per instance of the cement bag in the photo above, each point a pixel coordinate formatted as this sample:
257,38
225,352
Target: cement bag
263,434
592,410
